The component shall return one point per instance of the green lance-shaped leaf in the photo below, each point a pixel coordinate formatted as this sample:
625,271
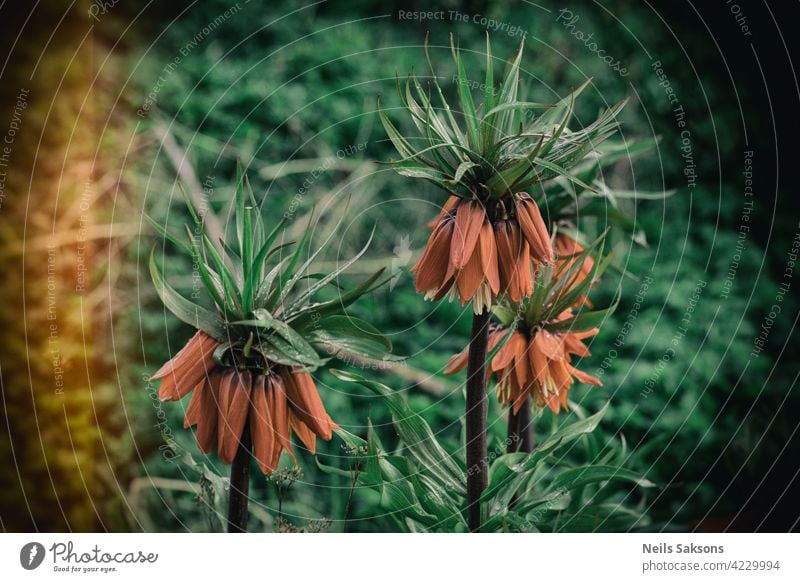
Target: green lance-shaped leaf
509,90
305,316
580,476
210,279
465,97
352,327
317,286
414,432
286,339
195,315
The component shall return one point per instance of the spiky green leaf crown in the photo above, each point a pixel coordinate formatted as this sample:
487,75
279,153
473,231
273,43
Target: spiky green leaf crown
558,288
261,314
499,150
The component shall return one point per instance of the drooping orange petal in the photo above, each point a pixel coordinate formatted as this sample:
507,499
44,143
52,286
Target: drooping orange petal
513,348
506,258
583,377
513,386
433,264
208,415
280,414
237,415
227,385
547,343
275,457
183,372
304,433
469,218
582,335
457,362
521,367
575,346
519,278
195,405
534,229
181,381
449,205
538,362
470,278
261,427
200,345
305,403
552,400
564,398
495,337
488,253
520,399
524,270
560,374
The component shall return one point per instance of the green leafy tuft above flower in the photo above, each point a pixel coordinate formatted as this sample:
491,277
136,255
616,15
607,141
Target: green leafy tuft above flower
262,312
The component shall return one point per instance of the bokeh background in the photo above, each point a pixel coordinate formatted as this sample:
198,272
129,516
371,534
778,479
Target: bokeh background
107,104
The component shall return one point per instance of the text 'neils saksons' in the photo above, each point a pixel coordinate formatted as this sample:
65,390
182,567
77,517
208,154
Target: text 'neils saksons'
664,548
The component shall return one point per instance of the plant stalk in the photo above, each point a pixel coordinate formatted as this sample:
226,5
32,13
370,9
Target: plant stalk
477,472
520,435
520,430
240,484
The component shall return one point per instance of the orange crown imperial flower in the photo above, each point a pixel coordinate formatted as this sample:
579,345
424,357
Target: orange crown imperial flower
490,233
248,364
225,399
538,337
534,363
477,258
569,250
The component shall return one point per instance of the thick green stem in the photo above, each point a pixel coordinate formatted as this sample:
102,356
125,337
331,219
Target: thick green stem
520,435
520,430
240,485
477,472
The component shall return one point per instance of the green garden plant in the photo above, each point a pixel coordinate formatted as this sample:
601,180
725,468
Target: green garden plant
490,237
248,366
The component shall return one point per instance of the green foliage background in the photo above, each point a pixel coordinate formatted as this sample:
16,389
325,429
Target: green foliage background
291,90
